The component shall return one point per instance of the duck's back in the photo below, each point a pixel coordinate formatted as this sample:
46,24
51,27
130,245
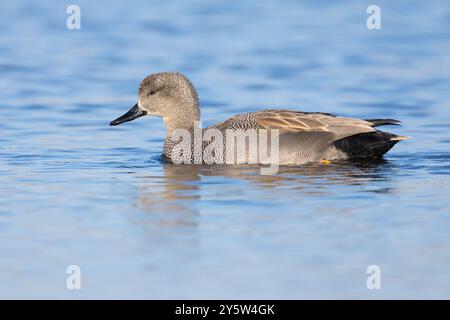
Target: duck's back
313,136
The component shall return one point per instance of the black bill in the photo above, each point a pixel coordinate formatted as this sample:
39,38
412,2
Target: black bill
132,114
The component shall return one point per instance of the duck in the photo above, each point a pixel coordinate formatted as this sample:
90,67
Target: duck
302,137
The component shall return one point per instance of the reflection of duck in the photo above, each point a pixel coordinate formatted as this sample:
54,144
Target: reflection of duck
304,136
305,177
164,194
180,188
181,198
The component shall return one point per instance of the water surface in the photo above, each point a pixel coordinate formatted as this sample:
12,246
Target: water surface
75,191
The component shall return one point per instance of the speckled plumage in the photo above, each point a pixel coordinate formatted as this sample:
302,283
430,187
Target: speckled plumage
303,136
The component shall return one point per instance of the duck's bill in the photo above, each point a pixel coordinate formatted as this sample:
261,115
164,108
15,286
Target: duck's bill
132,114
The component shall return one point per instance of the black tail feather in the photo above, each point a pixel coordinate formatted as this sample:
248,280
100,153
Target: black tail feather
383,122
367,145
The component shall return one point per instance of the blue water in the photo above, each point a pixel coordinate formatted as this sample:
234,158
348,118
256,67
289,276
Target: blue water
74,191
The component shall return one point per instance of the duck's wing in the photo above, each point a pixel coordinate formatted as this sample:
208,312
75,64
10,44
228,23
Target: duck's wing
296,121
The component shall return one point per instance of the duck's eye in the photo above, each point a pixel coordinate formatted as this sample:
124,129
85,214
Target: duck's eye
152,92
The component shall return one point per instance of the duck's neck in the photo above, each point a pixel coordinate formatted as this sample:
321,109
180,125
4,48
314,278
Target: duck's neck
186,121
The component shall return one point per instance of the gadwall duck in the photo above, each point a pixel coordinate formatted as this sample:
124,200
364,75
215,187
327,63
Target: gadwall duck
303,136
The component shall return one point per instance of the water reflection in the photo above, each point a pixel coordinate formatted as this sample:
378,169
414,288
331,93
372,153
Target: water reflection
170,199
177,193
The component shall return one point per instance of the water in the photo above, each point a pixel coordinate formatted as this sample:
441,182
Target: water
75,191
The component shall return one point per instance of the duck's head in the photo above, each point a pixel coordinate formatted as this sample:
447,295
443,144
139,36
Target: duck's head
169,95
